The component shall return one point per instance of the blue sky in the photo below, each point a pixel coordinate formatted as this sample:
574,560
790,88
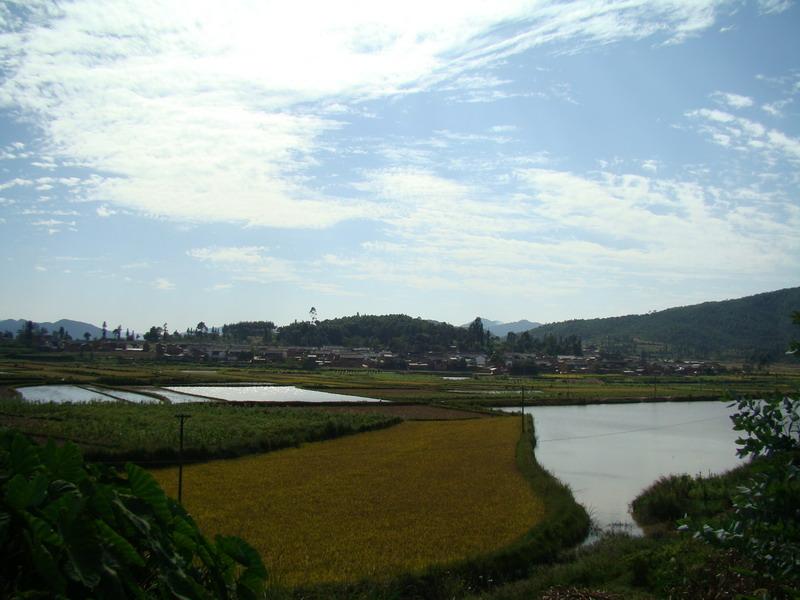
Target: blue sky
177,162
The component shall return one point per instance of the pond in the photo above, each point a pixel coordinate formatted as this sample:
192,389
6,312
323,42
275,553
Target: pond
75,393
264,393
609,453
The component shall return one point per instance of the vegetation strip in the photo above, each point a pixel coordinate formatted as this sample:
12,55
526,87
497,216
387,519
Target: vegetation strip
146,433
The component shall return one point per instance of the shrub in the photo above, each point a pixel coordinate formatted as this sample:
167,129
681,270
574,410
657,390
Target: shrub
765,521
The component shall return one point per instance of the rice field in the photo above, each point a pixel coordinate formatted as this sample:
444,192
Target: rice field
374,505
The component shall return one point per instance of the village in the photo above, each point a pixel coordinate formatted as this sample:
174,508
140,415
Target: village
477,364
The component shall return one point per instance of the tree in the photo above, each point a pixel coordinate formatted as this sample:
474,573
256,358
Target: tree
312,314
154,334
765,521
105,329
26,333
201,329
476,333
87,336
118,332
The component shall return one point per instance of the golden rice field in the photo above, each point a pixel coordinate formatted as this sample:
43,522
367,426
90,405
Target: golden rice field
375,504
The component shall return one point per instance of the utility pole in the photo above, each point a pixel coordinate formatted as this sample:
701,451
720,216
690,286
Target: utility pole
182,418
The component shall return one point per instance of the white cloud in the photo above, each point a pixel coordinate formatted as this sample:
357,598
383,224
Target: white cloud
564,230
733,100
218,287
40,268
52,223
775,108
773,6
137,265
249,263
104,211
162,283
746,135
190,121
503,128
650,165
249,255
18,181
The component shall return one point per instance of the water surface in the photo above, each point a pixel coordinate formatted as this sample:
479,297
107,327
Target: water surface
265,393
608,453
62,393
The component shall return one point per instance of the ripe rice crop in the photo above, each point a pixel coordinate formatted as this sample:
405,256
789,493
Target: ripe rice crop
373,505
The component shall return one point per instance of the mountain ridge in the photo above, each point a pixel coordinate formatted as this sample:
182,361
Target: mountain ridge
76,329
501,329
757,327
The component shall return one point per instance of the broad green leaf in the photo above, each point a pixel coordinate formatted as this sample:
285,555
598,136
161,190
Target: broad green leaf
145,487
22,493
141,524
45,565
5,522
124,549
65,462
65,509
23,456
42,531
84,553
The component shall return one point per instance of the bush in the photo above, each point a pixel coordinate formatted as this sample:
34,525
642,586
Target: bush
75,530
765,521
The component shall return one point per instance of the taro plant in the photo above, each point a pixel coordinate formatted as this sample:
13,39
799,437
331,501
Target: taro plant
74,530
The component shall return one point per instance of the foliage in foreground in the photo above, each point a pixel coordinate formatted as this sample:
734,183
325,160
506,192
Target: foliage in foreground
765,517
71,530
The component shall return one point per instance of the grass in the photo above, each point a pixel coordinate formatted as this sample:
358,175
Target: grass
148,433
372,506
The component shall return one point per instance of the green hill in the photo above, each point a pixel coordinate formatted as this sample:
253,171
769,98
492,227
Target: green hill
757,328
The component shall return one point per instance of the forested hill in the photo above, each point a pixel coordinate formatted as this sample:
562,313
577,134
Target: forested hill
757,328
397,332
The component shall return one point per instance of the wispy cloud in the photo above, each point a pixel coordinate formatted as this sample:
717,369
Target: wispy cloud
187,121
104,212
162,283
774,6
731,131
735,101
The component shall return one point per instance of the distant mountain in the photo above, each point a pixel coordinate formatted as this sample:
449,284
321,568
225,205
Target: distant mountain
76,329
501,329
753,328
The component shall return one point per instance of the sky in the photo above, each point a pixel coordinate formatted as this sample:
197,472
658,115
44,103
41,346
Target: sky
171,161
